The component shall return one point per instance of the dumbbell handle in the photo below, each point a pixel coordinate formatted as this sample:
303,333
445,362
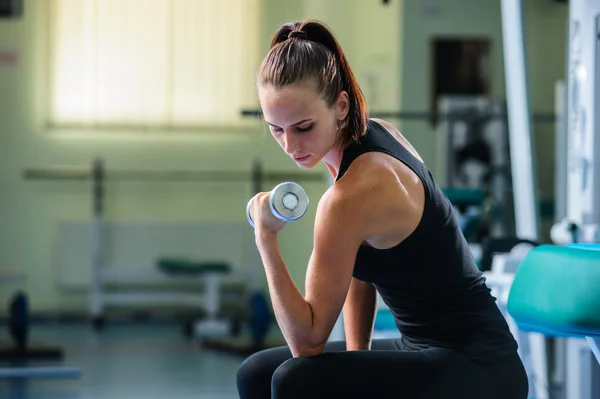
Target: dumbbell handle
288,202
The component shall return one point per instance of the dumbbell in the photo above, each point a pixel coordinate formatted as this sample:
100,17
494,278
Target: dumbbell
288,202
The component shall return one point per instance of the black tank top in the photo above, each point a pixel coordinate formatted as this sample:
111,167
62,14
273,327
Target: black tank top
430,281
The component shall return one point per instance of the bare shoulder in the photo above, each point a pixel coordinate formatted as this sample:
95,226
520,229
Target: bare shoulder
380,196
365,188
374,202
368,172
341,214
396,133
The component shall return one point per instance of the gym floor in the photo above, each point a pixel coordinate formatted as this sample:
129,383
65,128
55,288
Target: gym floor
128,361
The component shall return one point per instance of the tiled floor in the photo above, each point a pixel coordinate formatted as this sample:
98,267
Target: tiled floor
129,361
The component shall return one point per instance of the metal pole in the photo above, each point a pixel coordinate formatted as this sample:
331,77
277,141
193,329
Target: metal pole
257,265
560,152
257,176
96,238
519,121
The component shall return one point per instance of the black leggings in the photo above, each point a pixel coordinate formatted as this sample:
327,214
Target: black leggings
386,371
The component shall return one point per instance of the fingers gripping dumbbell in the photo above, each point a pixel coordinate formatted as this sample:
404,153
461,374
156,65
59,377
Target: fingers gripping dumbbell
288,202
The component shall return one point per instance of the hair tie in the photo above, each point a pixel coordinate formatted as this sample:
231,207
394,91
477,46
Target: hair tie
300,34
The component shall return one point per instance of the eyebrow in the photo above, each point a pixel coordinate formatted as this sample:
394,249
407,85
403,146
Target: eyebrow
295,124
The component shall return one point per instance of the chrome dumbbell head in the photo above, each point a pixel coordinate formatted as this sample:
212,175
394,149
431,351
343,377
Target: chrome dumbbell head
248,216
288,202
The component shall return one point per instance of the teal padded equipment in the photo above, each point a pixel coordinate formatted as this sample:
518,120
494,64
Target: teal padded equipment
187,267
590,247
556,292
384,320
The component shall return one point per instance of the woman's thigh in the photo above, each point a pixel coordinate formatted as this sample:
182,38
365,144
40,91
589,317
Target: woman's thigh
386,371
430,373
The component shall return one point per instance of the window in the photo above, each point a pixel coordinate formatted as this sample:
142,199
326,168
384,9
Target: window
152,63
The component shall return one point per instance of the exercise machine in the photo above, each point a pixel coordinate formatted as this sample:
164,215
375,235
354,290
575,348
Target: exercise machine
14,358
477,177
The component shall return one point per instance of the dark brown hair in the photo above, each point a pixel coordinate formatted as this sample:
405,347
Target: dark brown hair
305,50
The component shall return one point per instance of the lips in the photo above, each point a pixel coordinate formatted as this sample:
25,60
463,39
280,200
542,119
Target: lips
300,159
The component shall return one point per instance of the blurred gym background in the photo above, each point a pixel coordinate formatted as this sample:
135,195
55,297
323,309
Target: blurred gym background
130,145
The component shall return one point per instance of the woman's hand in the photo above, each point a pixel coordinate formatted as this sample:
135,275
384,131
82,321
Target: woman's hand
265,223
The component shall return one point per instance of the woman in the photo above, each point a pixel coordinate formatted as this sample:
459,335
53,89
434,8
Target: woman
383,226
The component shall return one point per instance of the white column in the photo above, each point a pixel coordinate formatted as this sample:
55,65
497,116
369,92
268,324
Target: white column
519,122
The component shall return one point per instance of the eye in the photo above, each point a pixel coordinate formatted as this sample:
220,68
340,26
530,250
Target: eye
276,129
305,129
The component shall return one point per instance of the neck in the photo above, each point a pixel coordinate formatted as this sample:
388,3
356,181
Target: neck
333,160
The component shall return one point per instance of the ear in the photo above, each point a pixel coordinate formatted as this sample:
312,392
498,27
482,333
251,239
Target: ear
342,105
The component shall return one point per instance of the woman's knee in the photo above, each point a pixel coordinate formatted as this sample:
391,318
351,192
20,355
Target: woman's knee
255,373
287,378
254,367
299,377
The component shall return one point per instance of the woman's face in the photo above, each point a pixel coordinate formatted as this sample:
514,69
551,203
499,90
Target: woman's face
301,122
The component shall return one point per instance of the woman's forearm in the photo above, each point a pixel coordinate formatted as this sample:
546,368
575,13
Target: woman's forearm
359,315
293,313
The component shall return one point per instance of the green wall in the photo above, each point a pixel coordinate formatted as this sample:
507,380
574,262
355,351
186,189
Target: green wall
387,45
545,29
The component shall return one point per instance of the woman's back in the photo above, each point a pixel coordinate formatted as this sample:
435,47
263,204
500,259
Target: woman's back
429,279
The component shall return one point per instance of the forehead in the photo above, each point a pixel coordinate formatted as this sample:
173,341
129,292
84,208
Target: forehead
289,104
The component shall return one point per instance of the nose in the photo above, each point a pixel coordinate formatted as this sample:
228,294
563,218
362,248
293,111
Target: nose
290,145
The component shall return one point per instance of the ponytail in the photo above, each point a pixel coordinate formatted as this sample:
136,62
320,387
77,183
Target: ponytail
308,50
